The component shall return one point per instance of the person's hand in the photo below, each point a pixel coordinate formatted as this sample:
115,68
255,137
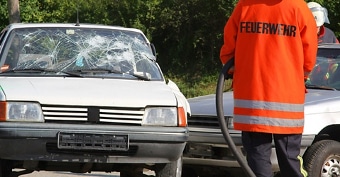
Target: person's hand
230,73
307,80
228,69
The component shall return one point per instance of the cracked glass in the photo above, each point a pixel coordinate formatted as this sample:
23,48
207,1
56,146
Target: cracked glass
80,51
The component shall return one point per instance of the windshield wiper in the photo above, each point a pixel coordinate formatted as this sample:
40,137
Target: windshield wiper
40,70
29,70
101,70
83,72
311,86
79,73
94,71
141,77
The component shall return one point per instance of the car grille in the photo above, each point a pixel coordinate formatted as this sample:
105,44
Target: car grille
107,115
204,121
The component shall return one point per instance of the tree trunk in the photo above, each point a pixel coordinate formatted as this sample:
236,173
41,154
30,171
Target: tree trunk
13,11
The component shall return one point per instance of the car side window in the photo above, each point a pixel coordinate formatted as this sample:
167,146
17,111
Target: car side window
13,51
2,34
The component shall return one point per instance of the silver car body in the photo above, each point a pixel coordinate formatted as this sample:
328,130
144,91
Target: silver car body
207,147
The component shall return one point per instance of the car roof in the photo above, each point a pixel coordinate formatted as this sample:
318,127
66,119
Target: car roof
329,45
85,25
71,25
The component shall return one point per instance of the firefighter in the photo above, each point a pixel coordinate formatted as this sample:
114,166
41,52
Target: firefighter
324,73
274,46
325,35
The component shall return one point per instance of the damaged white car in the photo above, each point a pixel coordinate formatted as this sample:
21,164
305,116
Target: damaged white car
84,98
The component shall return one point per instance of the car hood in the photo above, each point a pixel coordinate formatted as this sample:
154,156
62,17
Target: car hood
88,91
206,105
321,108
322,101
317,101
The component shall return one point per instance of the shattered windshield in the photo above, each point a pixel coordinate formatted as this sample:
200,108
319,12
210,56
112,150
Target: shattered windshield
326,73
82,51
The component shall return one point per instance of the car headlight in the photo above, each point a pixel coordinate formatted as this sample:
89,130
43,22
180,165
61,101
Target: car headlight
160,116
21,112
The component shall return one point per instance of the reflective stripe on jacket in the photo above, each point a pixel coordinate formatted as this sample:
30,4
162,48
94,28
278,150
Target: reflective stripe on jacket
274,45
268,115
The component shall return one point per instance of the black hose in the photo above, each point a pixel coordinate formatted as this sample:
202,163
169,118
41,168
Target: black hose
220,114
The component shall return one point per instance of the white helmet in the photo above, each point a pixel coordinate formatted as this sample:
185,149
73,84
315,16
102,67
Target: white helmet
320,13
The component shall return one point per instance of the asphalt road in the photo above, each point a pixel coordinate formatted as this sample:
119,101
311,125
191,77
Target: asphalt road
69,174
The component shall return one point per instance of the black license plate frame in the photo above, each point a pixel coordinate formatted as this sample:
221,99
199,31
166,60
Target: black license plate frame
93,141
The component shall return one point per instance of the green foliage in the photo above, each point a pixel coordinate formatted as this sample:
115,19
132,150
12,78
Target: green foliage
192,87
187,34
4,20
333,8
198,86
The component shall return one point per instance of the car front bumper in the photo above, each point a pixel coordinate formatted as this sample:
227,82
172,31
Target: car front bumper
207,147
39,142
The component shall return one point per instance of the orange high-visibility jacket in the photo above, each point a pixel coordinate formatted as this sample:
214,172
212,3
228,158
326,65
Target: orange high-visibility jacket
274,44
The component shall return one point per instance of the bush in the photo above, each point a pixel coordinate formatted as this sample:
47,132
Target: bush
193,86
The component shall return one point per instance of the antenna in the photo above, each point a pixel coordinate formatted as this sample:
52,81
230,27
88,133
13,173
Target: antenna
77,24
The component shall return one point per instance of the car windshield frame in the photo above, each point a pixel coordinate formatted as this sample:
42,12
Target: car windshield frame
81,51
326,72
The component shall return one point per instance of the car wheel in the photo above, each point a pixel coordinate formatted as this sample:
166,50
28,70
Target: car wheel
172,169
322,159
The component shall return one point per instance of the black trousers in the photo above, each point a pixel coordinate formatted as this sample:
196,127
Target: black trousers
258,147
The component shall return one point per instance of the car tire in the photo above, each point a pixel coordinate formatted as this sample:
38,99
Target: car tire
172,169
322,159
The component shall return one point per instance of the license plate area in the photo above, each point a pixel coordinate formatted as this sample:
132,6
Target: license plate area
89,141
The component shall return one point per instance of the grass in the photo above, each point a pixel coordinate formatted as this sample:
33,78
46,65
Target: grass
193,86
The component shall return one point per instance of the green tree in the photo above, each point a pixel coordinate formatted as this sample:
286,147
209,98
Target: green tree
188,34
333,8
194,31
